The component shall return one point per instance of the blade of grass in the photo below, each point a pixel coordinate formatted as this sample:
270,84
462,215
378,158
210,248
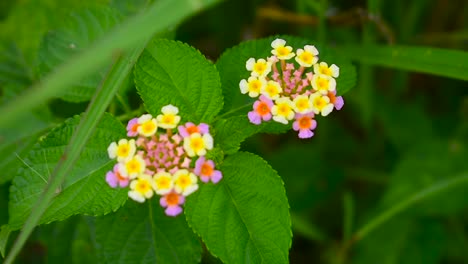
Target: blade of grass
407,203
158,17
436,61
366,72
91,117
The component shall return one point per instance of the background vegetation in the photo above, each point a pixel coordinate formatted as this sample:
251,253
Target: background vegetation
383,181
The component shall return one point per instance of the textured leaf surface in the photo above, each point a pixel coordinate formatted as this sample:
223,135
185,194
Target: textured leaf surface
29,20
17,139
442,62
231,132
84,190
170,72
231,66
78,33
142,233
13,66
245,217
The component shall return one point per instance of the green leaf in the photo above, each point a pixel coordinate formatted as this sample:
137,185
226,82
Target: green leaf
142,233
231,132
157,18
170,72
231,66
403,241
4,235
13,67
128,7
84,191
245,217
441,62
16,141
425,165
78,33
29,20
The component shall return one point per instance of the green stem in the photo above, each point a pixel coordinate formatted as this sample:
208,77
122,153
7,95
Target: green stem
159,17
90,119
129,115
407,203
322,27
242,107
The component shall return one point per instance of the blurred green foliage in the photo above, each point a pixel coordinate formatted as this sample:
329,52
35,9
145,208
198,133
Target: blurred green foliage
398,133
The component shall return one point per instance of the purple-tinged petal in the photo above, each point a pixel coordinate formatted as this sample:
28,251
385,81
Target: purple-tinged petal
131,132
339,102
204,178
181,199
204,128
163,201
211,163
313,125
111,179
254,118
266,117
123,183
173,210
217,176
305,133
255,105
296,125
183,131
198,165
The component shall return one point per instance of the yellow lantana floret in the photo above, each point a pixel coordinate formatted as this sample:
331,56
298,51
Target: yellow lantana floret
196,144
163,183
322,68
302,104
132,167
123,150
141,188
169,118
323,83
280,50
185,182
272,90
147,125
321,104
253,86
283,110
259,68
308,56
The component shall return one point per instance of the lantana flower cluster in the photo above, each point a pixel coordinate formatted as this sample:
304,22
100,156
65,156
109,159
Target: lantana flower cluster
162,158
291,92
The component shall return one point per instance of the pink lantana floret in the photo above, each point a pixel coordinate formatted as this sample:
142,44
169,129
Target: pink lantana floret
132,127
114,178
206,170
190,128
305,123
261,110
172,202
